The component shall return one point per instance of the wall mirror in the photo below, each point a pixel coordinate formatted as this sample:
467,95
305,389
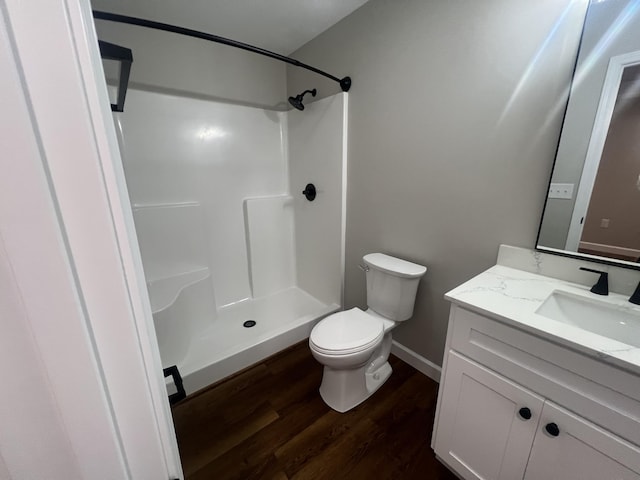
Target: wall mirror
593,202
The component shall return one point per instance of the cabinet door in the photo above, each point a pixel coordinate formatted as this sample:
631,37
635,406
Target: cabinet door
579,450
483,430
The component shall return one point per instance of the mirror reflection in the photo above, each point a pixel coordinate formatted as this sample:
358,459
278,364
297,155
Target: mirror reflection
593,202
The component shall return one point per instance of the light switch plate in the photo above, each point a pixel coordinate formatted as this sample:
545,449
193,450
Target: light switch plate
561,190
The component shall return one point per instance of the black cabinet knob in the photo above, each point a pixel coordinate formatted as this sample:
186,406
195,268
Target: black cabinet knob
310,192
524,413
552,429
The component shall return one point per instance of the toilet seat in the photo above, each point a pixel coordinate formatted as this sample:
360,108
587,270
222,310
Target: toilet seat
347,332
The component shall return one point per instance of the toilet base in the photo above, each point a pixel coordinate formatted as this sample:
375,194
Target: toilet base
376,379
343,390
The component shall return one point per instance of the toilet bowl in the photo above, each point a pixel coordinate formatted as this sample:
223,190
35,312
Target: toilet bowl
354,345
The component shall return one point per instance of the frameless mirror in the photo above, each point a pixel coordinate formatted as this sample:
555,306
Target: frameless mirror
593,201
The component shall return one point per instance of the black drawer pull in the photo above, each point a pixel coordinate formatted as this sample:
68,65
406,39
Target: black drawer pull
552,429
524,413
310,192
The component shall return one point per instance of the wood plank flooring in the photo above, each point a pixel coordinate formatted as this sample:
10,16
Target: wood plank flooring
269,422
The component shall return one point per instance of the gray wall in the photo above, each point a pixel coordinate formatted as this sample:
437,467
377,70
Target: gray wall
454,118
181,65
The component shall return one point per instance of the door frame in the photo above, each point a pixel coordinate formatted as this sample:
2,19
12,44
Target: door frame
604,113
54,44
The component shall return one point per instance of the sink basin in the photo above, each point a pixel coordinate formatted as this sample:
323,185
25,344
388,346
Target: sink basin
611,321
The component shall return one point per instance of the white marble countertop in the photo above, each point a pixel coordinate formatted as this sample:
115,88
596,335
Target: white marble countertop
513,296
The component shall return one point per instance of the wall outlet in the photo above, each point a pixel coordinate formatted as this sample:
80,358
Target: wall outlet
561,190
604,223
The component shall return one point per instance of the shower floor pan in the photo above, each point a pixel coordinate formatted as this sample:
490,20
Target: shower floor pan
226,346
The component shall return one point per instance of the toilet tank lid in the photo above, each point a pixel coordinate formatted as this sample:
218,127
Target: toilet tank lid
394,266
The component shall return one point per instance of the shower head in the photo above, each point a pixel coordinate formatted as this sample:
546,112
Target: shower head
296,101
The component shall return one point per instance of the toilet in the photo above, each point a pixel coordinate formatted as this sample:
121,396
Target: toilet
354,345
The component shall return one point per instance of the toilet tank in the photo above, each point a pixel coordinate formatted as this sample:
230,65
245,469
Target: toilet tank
392,284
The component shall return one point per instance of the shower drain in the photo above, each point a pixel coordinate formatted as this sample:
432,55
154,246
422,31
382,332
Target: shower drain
249,323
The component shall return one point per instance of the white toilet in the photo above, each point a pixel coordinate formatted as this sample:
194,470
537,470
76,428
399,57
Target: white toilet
353,345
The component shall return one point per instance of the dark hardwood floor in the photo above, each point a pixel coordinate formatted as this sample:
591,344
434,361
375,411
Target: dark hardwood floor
269,422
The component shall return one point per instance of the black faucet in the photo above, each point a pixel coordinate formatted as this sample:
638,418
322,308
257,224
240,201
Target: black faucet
635,297
602,285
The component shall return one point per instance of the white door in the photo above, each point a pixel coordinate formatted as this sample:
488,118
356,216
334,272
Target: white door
487,423
67,234
567,447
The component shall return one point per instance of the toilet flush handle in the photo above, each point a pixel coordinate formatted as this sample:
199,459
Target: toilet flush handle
364,268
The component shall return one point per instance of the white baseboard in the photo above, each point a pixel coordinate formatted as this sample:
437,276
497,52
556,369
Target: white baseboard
631,253
417,361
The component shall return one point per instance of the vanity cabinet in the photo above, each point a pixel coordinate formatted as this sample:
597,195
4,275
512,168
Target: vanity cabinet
487,423
507,409
579,450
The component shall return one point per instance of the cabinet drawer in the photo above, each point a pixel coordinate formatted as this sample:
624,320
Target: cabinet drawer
609,396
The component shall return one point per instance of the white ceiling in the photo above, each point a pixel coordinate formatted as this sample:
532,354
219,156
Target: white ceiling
281,26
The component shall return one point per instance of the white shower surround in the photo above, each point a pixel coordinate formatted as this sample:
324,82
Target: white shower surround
225,234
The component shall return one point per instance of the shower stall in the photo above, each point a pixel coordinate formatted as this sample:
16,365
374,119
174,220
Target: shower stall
239,263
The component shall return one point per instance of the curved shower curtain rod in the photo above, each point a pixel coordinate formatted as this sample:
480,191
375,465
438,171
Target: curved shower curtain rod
345,83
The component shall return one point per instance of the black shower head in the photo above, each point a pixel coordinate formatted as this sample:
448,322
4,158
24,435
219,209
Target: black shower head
296,101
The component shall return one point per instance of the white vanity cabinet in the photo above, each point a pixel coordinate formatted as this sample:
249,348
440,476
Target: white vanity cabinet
579,451
486,423
516,406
